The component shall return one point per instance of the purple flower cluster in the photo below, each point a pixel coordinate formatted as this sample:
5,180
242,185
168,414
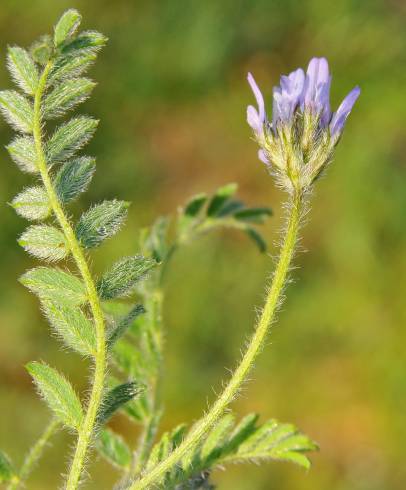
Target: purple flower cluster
302,92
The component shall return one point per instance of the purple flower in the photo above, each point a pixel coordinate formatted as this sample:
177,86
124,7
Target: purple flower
305,93
287,97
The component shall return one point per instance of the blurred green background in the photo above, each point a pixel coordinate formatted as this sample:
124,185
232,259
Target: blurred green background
171,98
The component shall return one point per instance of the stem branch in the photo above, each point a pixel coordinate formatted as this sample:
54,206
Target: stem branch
87,427
201,428
34,454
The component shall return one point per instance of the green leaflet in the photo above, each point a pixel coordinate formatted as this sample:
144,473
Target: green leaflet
32,203
114,449
56,285
274,441
7,472
68,67
17,110
129,360
22,69
154,239
42,50
116,398
70,138
74,178
123,276
123,324
22,152
100,222
44,242
220,197
72,326
214,442
242,430
253,215
66,26
85,42
256,237
66,96
195,205
58,393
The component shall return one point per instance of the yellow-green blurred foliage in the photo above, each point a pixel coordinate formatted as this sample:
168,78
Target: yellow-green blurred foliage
171,98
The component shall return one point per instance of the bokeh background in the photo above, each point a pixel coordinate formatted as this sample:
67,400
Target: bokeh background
171,98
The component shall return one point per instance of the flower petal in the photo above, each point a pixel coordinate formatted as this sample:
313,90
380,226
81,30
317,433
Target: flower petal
339,118
263,157
253,120
317,78
259,97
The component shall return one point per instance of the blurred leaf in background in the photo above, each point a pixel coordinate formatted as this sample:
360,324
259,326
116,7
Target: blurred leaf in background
171,98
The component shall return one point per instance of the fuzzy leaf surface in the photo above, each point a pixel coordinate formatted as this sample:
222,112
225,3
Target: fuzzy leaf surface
72,326
66,96
22,69
123,324
58,393
114,449
123,276
17,111
44,242
68,67
22,152
55,284
66,26
84,43
74,178
32,203
100,222
116,398
70,138
6,469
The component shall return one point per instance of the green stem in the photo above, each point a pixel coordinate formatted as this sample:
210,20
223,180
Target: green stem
151,425
202,427
35,454
87,427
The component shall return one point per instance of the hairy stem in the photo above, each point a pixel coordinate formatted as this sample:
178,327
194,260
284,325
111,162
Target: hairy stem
87,427
151,426
274,294
34,454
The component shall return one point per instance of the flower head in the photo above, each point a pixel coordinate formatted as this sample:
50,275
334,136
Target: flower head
298,143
